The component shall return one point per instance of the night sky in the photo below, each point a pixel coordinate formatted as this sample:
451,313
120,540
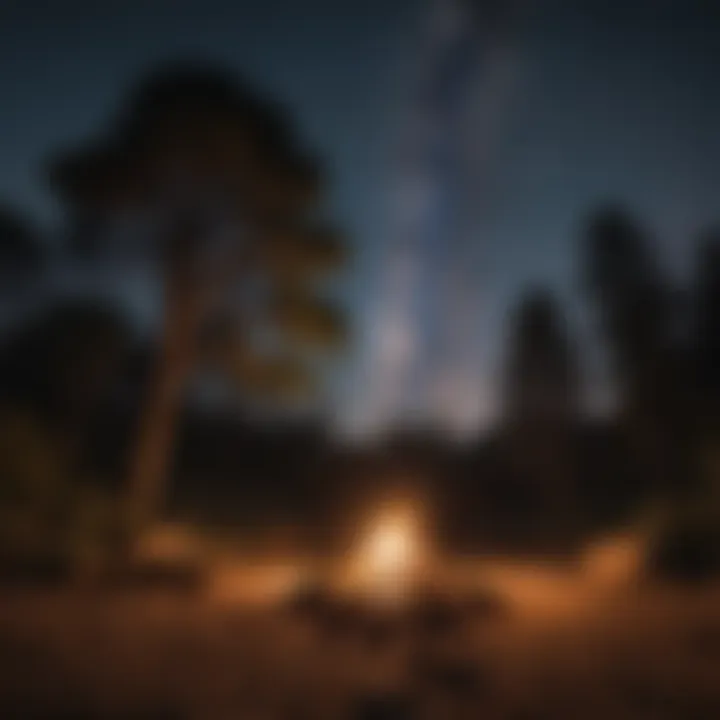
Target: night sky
613,100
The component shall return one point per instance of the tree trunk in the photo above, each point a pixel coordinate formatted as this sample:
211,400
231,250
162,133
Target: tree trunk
151,458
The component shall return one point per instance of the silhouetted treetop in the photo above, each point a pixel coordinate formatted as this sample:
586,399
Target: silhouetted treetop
707,315
179,87
639,310
542,373
187,126
616,247
634,299
218,179
21,253
538,316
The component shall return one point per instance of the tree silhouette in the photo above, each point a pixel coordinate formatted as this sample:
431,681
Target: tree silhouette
705,352
56,369
541,404
541,383
632,299
706,336
21,254
638,312
61,363
216,173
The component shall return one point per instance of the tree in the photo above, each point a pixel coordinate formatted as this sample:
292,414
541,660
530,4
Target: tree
34,483
541,383
215,175
705,346
61,361
21,254
56,368
541,405
638,314
633,301
706,331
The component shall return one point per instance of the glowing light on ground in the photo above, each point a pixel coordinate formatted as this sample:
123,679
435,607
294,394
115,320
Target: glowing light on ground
255,583
391,553
614,560
169,543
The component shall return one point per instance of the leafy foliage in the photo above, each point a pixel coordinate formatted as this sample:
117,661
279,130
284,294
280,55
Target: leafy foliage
62,360
45,511
218,173
21,253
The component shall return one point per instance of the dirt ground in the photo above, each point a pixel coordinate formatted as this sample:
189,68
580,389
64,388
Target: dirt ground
552,644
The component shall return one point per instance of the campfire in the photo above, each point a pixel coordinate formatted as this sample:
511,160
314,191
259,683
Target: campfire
391,554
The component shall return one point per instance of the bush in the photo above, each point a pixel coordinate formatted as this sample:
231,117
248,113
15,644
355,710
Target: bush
46,514
685,545
686,553
32,486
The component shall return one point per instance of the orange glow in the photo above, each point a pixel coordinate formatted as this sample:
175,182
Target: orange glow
615,560
391,553
255,583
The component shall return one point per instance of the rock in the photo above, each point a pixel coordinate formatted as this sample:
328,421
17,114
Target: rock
382,707
308,602
705,641
459,678
380,632
433,616
686,555
33,572
177,578
485,605
336,618
343,620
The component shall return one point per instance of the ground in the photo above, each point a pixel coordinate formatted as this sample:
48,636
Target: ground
592,641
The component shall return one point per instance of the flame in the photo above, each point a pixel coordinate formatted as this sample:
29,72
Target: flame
391,552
